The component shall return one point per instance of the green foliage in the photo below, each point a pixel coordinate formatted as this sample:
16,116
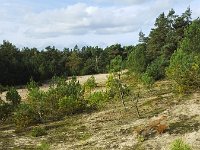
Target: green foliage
32,85
43,146
71,98
13,96
69,105
5,111
36,99
25,116
73,88
180,145
156,69
90,84
115,88
184,70
157,37
96,100
137,59
191,38
185,62
147,80
111,86
116,65
38,131
62,98
17,66
74,63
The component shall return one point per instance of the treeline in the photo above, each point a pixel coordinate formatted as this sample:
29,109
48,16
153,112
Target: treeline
18,66
171,50
152,55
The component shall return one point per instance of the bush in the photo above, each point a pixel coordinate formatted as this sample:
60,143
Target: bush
5,111
90,84
96,100
38,131
147,80
37,100
69,105
115,88
184,70
180,145
32,85
111,86
13,96
70,97
25,116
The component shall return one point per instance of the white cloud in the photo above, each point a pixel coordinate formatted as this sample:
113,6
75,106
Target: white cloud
123,1
101,23
84,19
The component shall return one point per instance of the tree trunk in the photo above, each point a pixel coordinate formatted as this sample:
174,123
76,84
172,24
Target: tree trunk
136,104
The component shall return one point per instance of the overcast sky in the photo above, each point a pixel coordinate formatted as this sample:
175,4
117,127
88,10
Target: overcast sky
64,23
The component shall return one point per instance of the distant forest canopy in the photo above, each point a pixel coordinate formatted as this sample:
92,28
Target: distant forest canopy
17,66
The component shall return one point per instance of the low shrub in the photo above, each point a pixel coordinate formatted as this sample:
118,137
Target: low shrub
38,131
96,100
90,84
70,97
115,89
13,96
111,86
69,105
32,85
5,111
180,145
36,98
25,116
147,80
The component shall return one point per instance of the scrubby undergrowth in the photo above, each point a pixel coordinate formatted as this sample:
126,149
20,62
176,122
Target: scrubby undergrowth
164,118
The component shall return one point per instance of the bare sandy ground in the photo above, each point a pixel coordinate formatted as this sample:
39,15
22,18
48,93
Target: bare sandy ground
100,79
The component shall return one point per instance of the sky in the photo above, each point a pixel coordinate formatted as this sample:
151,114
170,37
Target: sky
65,23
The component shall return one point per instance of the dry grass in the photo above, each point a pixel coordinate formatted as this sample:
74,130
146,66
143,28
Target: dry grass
164,118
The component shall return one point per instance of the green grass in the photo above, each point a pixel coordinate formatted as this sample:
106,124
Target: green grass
180,145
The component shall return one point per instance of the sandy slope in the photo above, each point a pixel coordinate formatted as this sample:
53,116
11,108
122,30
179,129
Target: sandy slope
114,128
